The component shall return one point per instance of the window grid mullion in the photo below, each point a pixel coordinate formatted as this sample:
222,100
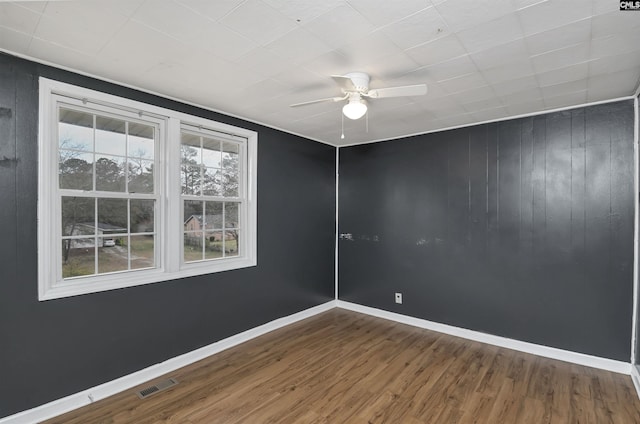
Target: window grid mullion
129,234
213,198
108,194
95,235
203,230
126,157
93,153
224,232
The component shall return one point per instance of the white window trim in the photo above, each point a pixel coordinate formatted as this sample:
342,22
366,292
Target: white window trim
169,238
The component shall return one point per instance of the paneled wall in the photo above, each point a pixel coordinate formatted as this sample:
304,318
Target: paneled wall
59,347
522,228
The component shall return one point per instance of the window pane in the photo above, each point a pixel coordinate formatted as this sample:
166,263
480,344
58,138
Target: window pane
193,215
112,216
231,215
78,216
75,130
191,179
230,149
214,216
141,141
194,227
230,169
75,170
109,173
211,186
78,257
230,183
140,176
232,245
190,149
214,245
192,247
142,216
211,228
110,136
113,254
142,252
211,155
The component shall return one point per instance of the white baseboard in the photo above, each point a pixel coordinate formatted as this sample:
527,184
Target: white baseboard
535,349
77,400
635,377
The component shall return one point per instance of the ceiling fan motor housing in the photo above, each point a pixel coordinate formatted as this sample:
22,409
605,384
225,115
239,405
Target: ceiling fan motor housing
360,81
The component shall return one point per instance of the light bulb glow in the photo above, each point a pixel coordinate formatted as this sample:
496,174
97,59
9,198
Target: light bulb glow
355,109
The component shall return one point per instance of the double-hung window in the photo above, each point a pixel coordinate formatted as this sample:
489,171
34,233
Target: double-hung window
212,193
131,193
107,191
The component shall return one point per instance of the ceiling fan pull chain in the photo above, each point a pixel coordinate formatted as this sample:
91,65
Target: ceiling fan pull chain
342,115
367,121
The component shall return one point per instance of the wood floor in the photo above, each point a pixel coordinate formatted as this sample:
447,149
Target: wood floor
344,367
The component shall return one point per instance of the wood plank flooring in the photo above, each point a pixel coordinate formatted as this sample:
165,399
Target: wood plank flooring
345,367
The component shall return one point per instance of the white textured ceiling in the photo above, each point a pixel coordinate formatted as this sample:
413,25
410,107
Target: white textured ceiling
481,59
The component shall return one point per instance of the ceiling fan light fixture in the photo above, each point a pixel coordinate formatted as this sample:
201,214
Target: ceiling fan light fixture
355,109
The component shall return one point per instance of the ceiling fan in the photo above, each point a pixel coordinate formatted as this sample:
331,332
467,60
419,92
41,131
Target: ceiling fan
355,88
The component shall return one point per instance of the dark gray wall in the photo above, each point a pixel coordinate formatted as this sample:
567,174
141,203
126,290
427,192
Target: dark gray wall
55,348
522,228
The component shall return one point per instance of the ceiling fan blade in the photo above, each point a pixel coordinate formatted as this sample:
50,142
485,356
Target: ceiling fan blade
344,82
402,91
328,99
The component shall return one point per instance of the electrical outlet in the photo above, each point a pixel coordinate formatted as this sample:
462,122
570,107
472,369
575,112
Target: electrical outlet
398,297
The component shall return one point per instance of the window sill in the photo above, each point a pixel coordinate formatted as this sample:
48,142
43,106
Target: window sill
116,281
